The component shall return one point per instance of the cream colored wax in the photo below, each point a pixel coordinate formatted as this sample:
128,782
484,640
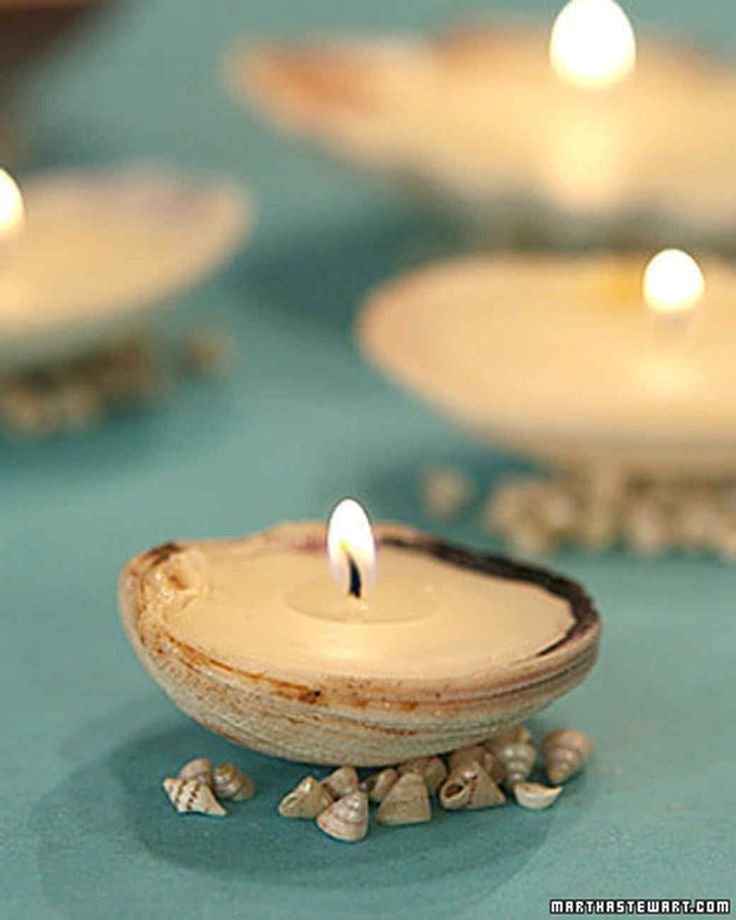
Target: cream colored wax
278,610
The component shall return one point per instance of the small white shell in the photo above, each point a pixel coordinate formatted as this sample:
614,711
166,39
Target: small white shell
432,769
346,819
517,759
341,781
307,800
535,795
472,754
469,788
192,796
379,784
230,783
445,492
407,802
565,752
200,769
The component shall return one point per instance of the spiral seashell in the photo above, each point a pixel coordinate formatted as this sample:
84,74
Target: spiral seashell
191,795
307,800
517,759
432,769
407,802
473,753
519,733
230,783
341,781
565,752
200,769
379,784
469,788
347,818
535,795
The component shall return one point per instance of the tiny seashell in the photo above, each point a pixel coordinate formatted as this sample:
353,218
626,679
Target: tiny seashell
341,781
519,733
347,818
469,787
407,802
517,759
379,784
646,529
200,769
307,800
535,795
445,492
192,796
230,783
530,538
565,752
432,769
473,753
557,508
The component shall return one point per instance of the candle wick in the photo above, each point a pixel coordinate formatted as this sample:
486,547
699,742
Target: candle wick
355,586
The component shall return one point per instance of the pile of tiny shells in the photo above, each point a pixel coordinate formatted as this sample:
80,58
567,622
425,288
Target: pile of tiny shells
78,393
197,787
469,779
537,515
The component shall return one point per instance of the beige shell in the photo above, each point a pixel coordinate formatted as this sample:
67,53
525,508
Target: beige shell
517,758
565,752
341,781
469,788
192,796
479,754
200,769
230,783
446,492
535,795
432,769
407,802
379,784
518,733
327,718
307,800
347,818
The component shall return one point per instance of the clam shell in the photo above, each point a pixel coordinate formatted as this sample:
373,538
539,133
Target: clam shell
346,819
407,802
192,796
149,231
330,719
535,795
307,800
565,752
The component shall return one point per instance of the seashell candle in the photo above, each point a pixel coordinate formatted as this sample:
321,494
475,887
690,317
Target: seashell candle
599,362
148,233
581,118
254,640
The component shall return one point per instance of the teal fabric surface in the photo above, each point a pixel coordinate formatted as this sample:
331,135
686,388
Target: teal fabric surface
87,737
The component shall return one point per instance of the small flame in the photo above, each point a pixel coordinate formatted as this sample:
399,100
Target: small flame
593,43
673,282
351,548
12,211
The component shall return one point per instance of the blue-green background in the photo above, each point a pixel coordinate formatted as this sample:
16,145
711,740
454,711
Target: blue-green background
86,736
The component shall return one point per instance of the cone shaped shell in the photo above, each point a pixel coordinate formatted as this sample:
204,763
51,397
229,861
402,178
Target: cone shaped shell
407,802
470,788
565,752
535,795
307,800
432,769
228,782
192,796
379,784
200,769
346,819
341,781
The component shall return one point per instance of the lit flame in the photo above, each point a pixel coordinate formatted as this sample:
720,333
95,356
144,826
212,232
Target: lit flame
593,43
351,548
673,282
12,211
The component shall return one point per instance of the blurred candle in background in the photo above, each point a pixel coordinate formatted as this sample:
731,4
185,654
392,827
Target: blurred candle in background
673,284
12,210
593,44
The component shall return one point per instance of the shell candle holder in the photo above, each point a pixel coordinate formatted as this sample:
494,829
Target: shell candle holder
100,251
253,640
510,121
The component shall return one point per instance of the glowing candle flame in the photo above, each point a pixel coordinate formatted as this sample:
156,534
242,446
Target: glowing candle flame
673,282
12,212
593,43
351,548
